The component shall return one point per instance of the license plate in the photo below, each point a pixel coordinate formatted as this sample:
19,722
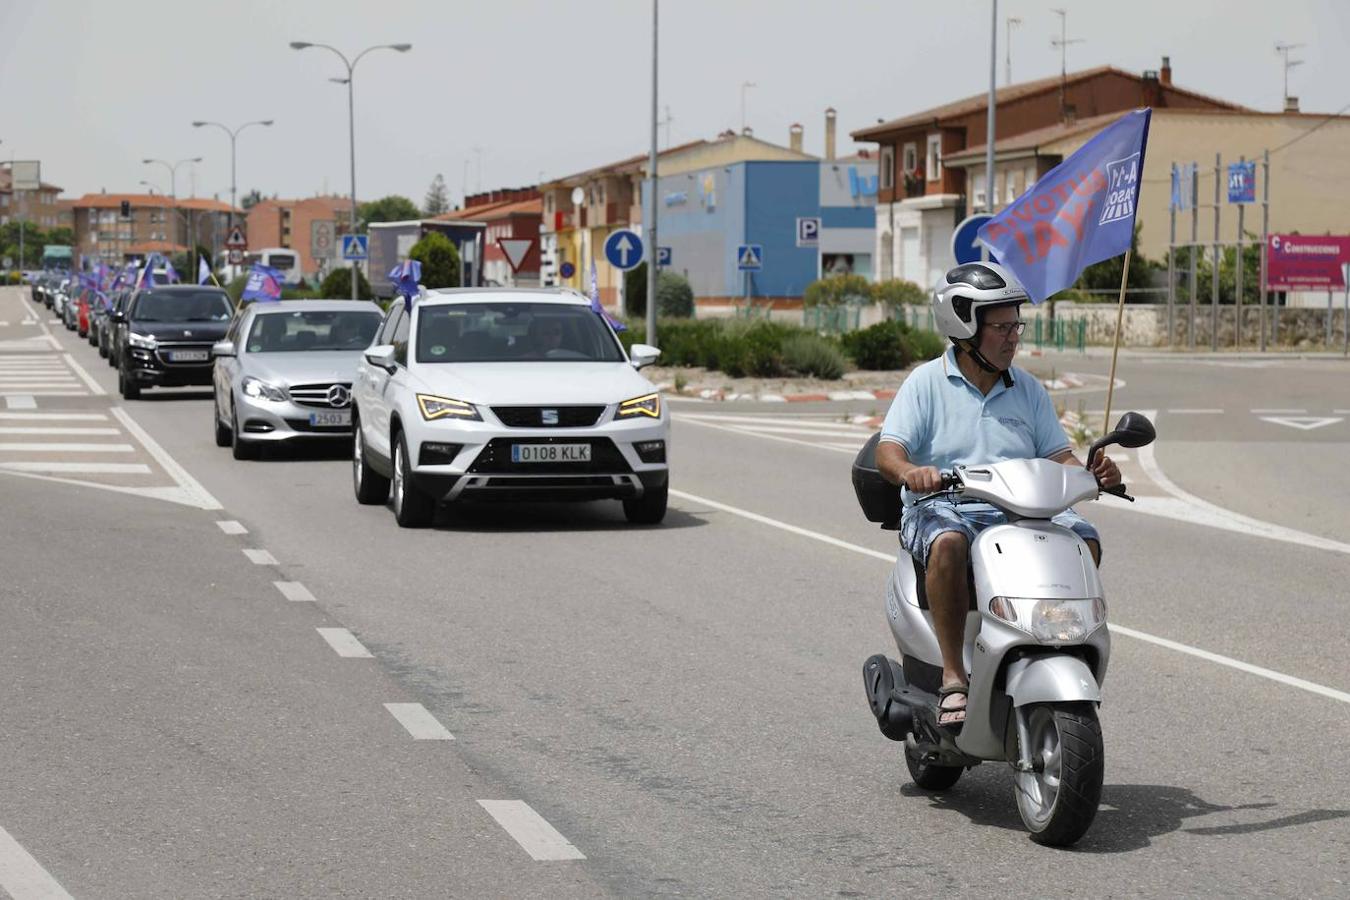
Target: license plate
336,417
546,453
189,355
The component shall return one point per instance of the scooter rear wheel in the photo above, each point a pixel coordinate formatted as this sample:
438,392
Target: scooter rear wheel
1058,801
931,776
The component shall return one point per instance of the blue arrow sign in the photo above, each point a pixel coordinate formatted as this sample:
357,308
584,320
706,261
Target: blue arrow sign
663,256
623,249
355,246
750,257
964,247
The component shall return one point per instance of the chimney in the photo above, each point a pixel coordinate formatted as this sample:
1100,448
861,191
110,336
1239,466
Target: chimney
747,131
1291,104
1150,90
1165,74
795,136
829,132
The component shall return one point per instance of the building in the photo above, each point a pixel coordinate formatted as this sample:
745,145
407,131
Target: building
510,214
39,207
929,180
152,223
311,227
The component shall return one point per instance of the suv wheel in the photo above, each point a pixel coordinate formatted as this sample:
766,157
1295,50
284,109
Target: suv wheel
372,488
650,508
412,507
128,388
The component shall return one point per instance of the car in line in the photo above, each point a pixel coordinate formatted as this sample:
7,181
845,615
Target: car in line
284,370
167,335
109,347
506,394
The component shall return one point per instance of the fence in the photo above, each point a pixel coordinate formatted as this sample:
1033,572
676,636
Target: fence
1065,332
832,319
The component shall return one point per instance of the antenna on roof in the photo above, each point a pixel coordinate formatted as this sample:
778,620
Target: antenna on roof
1062,42
1283,49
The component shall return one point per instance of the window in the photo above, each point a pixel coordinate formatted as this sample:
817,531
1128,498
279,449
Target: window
4,200
977,196
1030,175
887,168
911,158
1011,192
514,332
312,331
386,335
934,168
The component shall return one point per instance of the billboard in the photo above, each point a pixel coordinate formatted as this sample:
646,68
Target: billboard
1302,262
1242,182
26,175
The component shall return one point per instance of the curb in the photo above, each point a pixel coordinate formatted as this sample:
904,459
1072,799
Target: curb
712,395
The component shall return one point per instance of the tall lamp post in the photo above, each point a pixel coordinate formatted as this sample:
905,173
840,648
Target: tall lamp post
351,114
234,134
173,186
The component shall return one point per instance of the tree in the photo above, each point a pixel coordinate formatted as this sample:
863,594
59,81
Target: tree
439,259
393,208
250,200
337,285
1105,275
437,199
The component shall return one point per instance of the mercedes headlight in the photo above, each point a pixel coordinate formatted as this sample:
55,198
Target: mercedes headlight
142,341
646,405
1051,621
259,389
434,407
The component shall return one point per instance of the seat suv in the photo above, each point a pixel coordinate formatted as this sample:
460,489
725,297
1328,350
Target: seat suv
506,394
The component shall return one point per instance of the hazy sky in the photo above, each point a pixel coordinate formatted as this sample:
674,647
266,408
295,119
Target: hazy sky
541,86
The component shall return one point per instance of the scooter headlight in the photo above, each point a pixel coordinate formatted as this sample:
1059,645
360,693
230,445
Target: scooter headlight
1051,621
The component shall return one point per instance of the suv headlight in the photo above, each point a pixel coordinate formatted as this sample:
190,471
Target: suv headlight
257,388
646,405
143,341
1051,621
434,407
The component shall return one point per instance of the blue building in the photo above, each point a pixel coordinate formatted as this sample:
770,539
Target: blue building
704,216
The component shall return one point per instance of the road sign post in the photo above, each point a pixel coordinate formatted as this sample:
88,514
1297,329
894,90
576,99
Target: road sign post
965,247
664,255
355,247
623,249
808,231
749,259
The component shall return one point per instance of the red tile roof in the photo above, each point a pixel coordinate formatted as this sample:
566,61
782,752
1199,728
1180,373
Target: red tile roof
114,201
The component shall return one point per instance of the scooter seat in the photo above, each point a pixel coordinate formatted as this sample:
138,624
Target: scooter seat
921,583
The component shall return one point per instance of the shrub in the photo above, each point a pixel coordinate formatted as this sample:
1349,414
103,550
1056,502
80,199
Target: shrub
896,292
811,354
925,345
674,295
439,259
891,345
337,285
735,347
837,290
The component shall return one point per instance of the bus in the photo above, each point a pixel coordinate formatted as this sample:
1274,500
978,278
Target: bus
57,256
283,259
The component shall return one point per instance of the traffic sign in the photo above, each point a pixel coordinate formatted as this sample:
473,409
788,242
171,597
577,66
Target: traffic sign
808,231
567,270
7,262
236,256
515,250
355,246
750,257
964,246
236,238
623,249
664,256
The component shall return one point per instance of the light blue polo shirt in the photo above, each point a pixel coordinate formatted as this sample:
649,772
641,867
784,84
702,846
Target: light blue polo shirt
943,420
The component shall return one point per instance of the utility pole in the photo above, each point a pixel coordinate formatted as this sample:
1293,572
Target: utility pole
989,190
1062,42
1265,243
1284,49
1007,48
1218,257
653,254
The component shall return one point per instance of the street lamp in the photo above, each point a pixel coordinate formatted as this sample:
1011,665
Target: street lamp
351,114
233,133
173,184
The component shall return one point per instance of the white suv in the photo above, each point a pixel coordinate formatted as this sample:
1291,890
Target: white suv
496,394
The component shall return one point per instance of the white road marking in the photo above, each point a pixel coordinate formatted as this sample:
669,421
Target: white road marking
94,386
17,381
806,420
1338,412
293,590
421,724
531,831
840,431
1128,632
1277,411
57,431
78,468
12,446
20,401
22,876
1302,423
33,393
1196,412
229,526
767,437
344,643
55,417
260,557
192,490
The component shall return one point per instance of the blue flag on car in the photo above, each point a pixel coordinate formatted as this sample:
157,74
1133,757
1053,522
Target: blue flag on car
1081,212
595,303
264,284
170,272
405,277
203,270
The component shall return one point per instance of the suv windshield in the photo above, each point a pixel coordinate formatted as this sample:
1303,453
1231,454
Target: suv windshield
198,306
514,332
288,332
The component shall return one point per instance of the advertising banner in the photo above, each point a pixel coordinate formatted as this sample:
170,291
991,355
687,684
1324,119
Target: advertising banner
1304,262
1242,182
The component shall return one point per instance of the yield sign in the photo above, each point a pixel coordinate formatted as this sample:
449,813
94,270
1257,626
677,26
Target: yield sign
236,238
1303,423
516,249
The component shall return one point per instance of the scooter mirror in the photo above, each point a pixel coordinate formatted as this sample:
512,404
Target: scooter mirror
1133,430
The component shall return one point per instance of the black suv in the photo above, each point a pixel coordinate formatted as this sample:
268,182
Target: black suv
165,335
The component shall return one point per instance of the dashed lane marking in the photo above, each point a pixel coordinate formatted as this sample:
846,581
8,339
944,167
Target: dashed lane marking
294,591
53,417
77,468
531,831
34,447
229,526
344,643
62,431
260,557
22,876
419,723
1276,411
1196,412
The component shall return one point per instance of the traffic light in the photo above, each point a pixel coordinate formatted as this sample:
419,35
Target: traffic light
126,209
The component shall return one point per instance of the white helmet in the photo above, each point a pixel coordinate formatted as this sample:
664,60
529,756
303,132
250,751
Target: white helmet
967,290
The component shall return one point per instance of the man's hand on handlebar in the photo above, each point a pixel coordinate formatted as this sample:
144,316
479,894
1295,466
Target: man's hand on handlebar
924,480
1106,470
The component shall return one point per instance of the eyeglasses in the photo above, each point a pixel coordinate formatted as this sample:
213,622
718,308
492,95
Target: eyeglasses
1003,329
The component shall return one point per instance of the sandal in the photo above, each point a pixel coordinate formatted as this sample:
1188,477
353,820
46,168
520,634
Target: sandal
952,725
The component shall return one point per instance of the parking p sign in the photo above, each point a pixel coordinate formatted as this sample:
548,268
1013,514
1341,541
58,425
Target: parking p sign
808,231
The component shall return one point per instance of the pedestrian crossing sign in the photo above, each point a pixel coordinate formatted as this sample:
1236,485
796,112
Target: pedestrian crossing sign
750,257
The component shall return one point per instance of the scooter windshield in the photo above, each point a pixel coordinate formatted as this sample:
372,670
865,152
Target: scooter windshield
1028,488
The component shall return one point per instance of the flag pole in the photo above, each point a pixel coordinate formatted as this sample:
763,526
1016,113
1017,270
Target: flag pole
1115,349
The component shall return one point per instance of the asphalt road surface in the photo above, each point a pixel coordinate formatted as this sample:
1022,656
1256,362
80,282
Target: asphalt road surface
229,679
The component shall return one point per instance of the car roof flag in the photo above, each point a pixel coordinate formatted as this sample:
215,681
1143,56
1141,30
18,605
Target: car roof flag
203,270
595,303
405,277
264,284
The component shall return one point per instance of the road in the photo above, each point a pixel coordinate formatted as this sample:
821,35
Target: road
667,711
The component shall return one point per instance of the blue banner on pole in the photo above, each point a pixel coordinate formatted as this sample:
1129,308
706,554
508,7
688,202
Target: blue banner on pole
1242,182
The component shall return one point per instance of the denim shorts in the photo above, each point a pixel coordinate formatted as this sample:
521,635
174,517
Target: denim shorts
921,524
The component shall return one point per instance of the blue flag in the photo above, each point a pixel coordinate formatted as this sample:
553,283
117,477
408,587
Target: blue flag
595,303
1080,213
405,277
264,284
170,272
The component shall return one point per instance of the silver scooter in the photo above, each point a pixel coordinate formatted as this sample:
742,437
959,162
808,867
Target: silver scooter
1036,642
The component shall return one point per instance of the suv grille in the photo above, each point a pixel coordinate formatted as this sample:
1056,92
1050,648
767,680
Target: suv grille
533,416
495,459
316,395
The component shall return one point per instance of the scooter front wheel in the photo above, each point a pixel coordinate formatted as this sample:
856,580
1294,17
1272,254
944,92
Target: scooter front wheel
1058,800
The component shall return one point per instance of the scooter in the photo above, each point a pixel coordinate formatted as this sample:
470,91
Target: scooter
1036,641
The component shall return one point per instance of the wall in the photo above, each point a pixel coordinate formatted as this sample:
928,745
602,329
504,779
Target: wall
776,194
701,217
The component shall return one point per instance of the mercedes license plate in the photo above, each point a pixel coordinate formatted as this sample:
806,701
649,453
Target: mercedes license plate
336,417
550,453
189,355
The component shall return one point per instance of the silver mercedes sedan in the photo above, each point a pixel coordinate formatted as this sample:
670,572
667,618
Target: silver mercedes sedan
284,372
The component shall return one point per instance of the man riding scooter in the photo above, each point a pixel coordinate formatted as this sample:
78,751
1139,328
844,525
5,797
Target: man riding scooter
970,406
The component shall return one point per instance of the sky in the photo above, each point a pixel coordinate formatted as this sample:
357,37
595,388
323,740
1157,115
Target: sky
502,93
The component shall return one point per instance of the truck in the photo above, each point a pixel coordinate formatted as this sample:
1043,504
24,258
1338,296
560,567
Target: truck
391,241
